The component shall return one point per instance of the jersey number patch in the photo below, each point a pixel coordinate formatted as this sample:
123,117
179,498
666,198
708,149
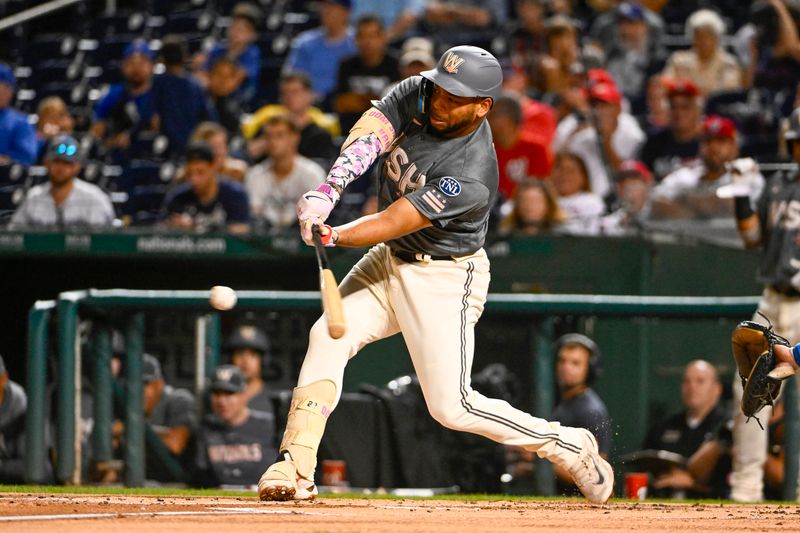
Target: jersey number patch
404,175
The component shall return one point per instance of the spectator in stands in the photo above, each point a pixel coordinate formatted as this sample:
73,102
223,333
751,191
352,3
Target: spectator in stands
535,209
178,100
169,412
236,443
556,68
656,115
399,17
275,184
577,369
685,432
318,52
217,137
605,30
207,201
634,184
454,22
538,119
17,137
64,200
250,351
241,47
224,102
604,138
707,63
633,56
775,53
578,405
690,191
127,108
316,128
582,207
53,119
13,406
366,75
415,56
526,42
519,154
679,143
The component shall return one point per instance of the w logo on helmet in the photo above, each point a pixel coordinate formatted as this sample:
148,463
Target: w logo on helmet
451,62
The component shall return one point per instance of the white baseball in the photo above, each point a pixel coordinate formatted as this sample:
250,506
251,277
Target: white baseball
222,298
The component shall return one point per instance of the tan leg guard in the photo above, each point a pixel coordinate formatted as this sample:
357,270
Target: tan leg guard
293,477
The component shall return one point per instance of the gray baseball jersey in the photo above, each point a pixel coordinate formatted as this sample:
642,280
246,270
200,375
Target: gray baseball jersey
238,455
176,408
12,433
779,215
452,182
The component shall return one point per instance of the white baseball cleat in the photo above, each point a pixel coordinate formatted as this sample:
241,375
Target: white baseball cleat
591,473
281,483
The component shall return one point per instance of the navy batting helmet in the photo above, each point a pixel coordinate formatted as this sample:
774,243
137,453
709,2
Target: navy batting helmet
248,336
464,71
594,352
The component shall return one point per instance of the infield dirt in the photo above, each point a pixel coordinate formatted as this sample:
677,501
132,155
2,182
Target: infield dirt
64,513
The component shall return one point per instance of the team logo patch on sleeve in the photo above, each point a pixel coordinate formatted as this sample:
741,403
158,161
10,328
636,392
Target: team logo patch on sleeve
449,186
435,200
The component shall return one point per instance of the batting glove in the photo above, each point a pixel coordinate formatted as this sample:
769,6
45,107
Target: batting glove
744,178
315,206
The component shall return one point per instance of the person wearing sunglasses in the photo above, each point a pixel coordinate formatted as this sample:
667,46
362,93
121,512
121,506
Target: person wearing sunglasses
64,200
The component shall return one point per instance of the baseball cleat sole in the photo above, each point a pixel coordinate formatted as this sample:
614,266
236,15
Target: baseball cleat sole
276,493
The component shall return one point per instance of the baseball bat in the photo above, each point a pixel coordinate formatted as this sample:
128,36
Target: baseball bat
331,298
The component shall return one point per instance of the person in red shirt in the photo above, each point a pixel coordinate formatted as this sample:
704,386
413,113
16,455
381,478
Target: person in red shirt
520,154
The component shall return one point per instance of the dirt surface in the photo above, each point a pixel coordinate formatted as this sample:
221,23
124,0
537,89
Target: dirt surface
151,514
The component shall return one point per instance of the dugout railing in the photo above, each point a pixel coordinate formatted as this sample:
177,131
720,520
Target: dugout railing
72,307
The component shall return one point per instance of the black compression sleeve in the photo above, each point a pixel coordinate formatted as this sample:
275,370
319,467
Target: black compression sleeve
742,207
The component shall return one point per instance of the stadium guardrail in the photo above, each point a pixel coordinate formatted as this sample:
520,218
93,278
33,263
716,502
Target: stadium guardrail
542,308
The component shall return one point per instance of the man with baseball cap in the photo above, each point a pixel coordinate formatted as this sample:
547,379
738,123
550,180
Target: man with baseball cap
169,412
207,201
64,200
633,186
611,136
115,121
17,136
236,442
690,191
679,142
250,350
426,274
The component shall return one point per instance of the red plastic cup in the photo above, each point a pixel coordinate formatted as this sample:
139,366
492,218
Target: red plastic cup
636,485
334,473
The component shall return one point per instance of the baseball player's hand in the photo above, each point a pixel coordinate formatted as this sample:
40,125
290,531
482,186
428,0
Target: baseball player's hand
315,207
328,235
744,178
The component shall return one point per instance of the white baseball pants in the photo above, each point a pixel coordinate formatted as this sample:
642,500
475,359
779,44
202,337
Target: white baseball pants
435,305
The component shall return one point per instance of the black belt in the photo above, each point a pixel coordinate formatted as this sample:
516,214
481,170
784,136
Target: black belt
786,290
409,257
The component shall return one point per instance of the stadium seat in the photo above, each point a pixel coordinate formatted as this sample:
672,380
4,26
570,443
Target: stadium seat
187,22
50,46
117,24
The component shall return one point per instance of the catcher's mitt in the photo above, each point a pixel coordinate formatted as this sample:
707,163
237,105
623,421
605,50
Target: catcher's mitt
753,350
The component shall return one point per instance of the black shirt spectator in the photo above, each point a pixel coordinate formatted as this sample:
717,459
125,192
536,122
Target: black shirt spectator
207,202
178,99
364,76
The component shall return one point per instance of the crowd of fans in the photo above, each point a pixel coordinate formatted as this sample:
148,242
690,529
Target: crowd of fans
615,114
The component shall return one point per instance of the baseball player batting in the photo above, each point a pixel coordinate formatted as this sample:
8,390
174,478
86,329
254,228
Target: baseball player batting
426,274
